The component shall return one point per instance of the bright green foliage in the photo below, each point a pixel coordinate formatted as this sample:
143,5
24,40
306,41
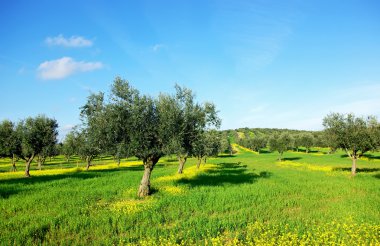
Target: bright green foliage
355,135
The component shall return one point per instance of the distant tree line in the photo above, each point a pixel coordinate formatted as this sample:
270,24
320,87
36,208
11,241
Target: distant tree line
354,135
29,139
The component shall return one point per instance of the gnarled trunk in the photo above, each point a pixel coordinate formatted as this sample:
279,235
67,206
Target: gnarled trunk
144,188
27,166
182,161
149,163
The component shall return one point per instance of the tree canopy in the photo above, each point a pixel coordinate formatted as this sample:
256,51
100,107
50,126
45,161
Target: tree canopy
36,134
355,135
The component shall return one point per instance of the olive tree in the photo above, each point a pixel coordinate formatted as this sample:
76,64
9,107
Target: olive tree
130,123
146,137
10,142
257,143
92,140
280,143
306,140
133,125
355,135
36,134
47,151
206,145
70,146
186,121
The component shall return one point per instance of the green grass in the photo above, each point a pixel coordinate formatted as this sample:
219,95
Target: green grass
241,199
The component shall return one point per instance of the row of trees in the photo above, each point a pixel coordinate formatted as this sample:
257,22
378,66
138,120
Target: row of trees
290,140
355,135
28,139
128,123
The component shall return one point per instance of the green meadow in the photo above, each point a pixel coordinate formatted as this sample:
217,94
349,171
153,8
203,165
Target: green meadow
244,199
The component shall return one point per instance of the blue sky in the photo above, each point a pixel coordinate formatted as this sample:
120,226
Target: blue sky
281,64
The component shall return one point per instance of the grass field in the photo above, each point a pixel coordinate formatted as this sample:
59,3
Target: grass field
247,198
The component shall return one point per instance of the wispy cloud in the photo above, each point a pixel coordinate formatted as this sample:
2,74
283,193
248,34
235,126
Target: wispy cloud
64,67
254,31
21,71
157,47
73,41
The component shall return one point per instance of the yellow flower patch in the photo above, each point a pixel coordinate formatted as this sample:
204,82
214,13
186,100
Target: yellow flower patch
304,165
173,190
188,173
246,149
131,206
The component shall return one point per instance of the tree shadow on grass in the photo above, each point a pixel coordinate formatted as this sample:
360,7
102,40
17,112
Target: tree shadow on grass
74,174
225,173
358,170
377,176
226,156
264,151
291,158
372,157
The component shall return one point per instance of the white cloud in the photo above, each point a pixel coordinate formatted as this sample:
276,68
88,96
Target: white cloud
73,41
64,67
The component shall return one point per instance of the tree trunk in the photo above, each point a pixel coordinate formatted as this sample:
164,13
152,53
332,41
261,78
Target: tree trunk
88,159
118,162
144,189
199,162
182,161
39,161
353,168
280,157
13,163
27,166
